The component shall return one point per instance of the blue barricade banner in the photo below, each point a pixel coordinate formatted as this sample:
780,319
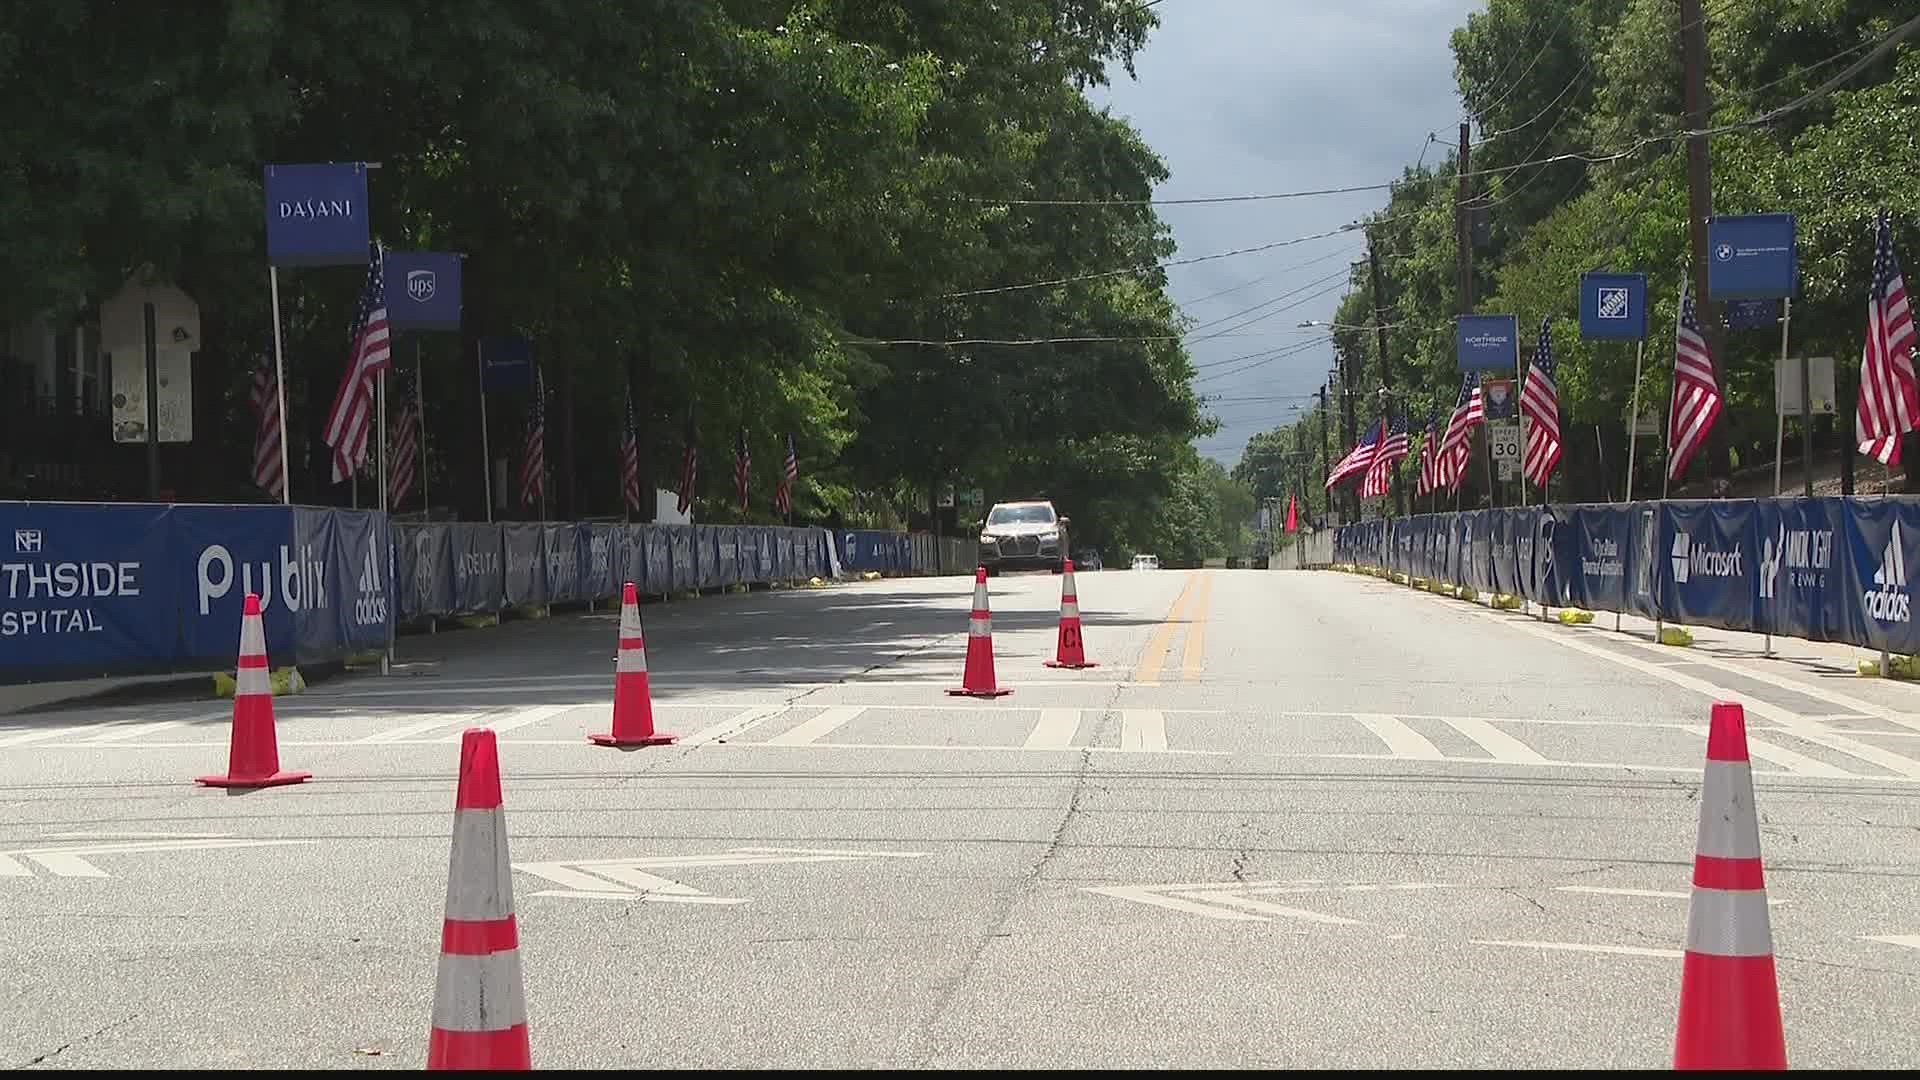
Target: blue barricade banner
525,584
360,544
1711,572
1595,542
763,555
226,552
657,565
1882,539
1800,591
872,549
682,570
724,568
425,570
786,560
479,571
560,546
87,589
602,550
1647,560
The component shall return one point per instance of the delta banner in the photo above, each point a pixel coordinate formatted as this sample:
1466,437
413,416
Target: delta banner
1752,257
423,290
317,215
97,589
1829,569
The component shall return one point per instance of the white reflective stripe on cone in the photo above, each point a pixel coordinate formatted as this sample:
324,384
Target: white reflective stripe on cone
980,628
1070,611
630,661
629,621
1729,923
479,993
980,597
252,680
1729,828
253,637
479,881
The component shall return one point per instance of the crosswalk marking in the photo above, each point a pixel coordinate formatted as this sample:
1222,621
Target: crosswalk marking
1501,745
430,722
737,724
1143,729
1785,758
1402,740
807,732
38,736
123,732
523,718
1574,946
1264,908
1055,729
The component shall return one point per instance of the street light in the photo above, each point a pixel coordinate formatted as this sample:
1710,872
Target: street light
1309,324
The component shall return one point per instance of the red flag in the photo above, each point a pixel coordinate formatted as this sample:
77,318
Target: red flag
1293,512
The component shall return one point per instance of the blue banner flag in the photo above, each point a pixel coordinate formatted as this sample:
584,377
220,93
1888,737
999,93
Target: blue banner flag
506,363
423,290
1751,257
1613,307
1487,342
317,215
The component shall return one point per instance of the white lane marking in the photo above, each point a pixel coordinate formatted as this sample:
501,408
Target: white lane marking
1793,723
1055,730
120,733
1499,744
432,721
1402,740
1573,946
811,731
1798,764
1905,941
73,860
1142,895
37,736
1264,908
737,724
1143,730
520,719
589,879
1658,894
1844,700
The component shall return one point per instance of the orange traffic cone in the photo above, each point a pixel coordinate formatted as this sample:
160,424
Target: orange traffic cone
632,700
977,680
1729,1001
1071,652
253,753
479,1002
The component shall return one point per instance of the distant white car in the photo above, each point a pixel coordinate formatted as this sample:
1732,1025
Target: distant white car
1146,562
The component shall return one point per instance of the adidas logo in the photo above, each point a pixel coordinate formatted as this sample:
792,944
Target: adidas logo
370,576
370,607
1888,601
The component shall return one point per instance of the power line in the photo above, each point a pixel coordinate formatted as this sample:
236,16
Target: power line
1263,277
1340,273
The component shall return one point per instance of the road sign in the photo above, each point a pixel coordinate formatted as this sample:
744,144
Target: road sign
1486,342
1751,257
75,860
1504,437
1613,306
632,880
1786,385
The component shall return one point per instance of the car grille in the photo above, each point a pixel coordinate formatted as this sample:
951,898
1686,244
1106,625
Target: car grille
1020,546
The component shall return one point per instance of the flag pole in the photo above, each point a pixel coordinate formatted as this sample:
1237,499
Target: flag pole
280,385
1633,415
486,453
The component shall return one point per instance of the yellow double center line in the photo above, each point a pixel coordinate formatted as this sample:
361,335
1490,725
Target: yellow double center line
1189,609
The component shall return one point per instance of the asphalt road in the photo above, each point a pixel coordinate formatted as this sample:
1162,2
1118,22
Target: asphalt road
1293,819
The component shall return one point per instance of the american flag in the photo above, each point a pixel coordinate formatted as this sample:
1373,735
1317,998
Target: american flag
1429,462
1468,411
1540,402
1380,469
533,465
265,401
742,462
1358,458
406,444
783,492
689,466
1696,393
372,351
1888,407
630,457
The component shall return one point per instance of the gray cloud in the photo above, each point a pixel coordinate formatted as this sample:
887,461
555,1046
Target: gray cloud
1241,96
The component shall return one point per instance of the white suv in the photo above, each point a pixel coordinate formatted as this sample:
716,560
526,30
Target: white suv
1024,535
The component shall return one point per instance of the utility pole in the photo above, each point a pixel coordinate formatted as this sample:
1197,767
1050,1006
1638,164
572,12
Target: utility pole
1347,423
1386,367
1326,450
1693,44
1463,249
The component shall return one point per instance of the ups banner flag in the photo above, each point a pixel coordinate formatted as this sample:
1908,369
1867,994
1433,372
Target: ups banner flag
1819,569
89,589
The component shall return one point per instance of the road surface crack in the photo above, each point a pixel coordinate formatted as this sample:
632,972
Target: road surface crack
58,1050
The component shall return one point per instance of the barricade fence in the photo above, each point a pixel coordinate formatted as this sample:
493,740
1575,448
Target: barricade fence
96,589
1822,569
1304,552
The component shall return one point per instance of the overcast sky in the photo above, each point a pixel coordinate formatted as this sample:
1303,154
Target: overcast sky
1253,96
